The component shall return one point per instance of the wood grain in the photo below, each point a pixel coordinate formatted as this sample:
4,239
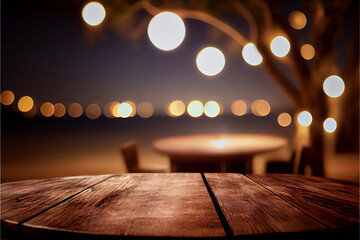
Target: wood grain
24,199
143,205
329,201
252,210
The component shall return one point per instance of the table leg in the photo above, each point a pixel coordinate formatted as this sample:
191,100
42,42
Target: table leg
223,167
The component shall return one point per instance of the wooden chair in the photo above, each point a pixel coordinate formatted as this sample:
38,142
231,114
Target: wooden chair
129,152
294,165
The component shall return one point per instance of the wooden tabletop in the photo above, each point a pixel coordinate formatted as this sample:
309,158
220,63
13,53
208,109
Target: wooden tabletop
180,205
219,146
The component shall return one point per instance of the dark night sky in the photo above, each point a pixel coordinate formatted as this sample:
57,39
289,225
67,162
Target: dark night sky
46,56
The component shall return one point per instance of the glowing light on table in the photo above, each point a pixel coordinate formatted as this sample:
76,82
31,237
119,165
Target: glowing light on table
125,110
145,110
297,20
304,118
133,107
284,119
212,109
176,108
59,110
47,109
334,86
330,125
7,97
210,61
195,108
93,111
75,110
307,51
166,31
25,104
239,108
93,13
251,55
219,143
260,108
280,46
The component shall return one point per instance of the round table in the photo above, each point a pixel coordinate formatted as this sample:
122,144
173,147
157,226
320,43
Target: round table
180,206
196,152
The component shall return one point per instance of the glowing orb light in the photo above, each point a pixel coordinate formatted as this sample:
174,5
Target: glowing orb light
239,107
166,31
93,13
307,51
125,110
330,125
145,110
210,61
297,20
75,110
334,86
280,46
7,97
25,104
304,118
59,110
93,111
176,108
251,55
284,119
195,108
260,108
212,109
47,109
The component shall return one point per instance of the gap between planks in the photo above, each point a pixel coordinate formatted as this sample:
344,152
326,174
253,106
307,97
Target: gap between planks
222,218
62,201
289,202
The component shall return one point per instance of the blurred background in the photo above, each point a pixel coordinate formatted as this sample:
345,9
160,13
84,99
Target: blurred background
73,90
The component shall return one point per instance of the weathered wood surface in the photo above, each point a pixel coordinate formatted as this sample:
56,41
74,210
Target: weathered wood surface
144,205
250,209
24,199
329,201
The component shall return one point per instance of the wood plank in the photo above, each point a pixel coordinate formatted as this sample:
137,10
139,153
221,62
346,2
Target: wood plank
23,199
333,203
143,205
250,209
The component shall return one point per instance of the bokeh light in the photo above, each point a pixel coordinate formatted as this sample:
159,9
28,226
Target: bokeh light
75,110
304,118
93,111
297,20
280,46
260,108
210,61
334,86
93,13
7,97
114,109
330,125
284,119
108,110
212,109
133,107
25,104
251,55
125,110
239,108
59,110
145,110
47,109
176,108
166,31
221,143
195,108
307,51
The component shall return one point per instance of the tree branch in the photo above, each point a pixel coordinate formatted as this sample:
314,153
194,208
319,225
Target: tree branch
201,16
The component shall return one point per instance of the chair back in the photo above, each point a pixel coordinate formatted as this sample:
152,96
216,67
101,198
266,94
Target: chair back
129,152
